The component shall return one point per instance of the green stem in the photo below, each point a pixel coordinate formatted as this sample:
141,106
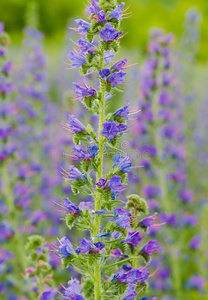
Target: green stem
19,247
97,269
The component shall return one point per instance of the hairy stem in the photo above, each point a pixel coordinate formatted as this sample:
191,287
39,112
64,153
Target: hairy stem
97,270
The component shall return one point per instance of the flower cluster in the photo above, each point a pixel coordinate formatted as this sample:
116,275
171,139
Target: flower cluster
110,259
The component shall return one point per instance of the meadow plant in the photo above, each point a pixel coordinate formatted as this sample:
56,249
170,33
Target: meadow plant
114,255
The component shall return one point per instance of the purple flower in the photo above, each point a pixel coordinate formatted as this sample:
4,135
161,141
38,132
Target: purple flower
71,207
109,33
195,242
147,222
133,238
117,78
101,183
115,184
196,282
7,67
101,16
122,162
99,245
79,152
2,51
84,247
121,127
110,129
120,64
84,92
6,231
117,13
75,125
77,59
75,174
134,275
104,73
124,221
150,191
117,253
93,150
73,291
65,248
186,196
86,205
48,295
151,247
131,295
83,25
123,112
189,220
84,46
94,8
108,55
102,235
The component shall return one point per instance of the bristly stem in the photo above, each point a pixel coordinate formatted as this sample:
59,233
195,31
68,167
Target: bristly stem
97,270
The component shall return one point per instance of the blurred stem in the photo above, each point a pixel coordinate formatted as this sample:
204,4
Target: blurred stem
19,247
97,270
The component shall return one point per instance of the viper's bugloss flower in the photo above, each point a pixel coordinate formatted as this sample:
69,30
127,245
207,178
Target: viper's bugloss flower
101,17
84,247
83,26
102,183
94,8
115,184
78,59
84,46
121,128
75,174
84,92
71,207
147,222
131,295
6,231
75,125
79,152
110,129
123,112
186,196
134,276
104,73
117,12
117,253
151,247
117,78
102,235
7,67
2,51
196,282
65,248
133,238
99,245
73,291
120,64
122,162
86,206
124,221
108,56
189,220
49,294
195,242
93,150
109,33
150,191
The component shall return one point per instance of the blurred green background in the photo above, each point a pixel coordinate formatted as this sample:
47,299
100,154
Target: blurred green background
54,14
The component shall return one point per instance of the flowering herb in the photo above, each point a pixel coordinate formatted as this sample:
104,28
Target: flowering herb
120,236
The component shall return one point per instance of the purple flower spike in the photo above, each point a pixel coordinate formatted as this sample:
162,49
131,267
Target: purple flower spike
83,26
117,78
93,150
101,17
78,60
84,247
124,221
110,129
79,152
84,92
75,174
133,238
147,222
101,183
84,46
73,291
75,125
117,13
109,33
104,73
151,247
